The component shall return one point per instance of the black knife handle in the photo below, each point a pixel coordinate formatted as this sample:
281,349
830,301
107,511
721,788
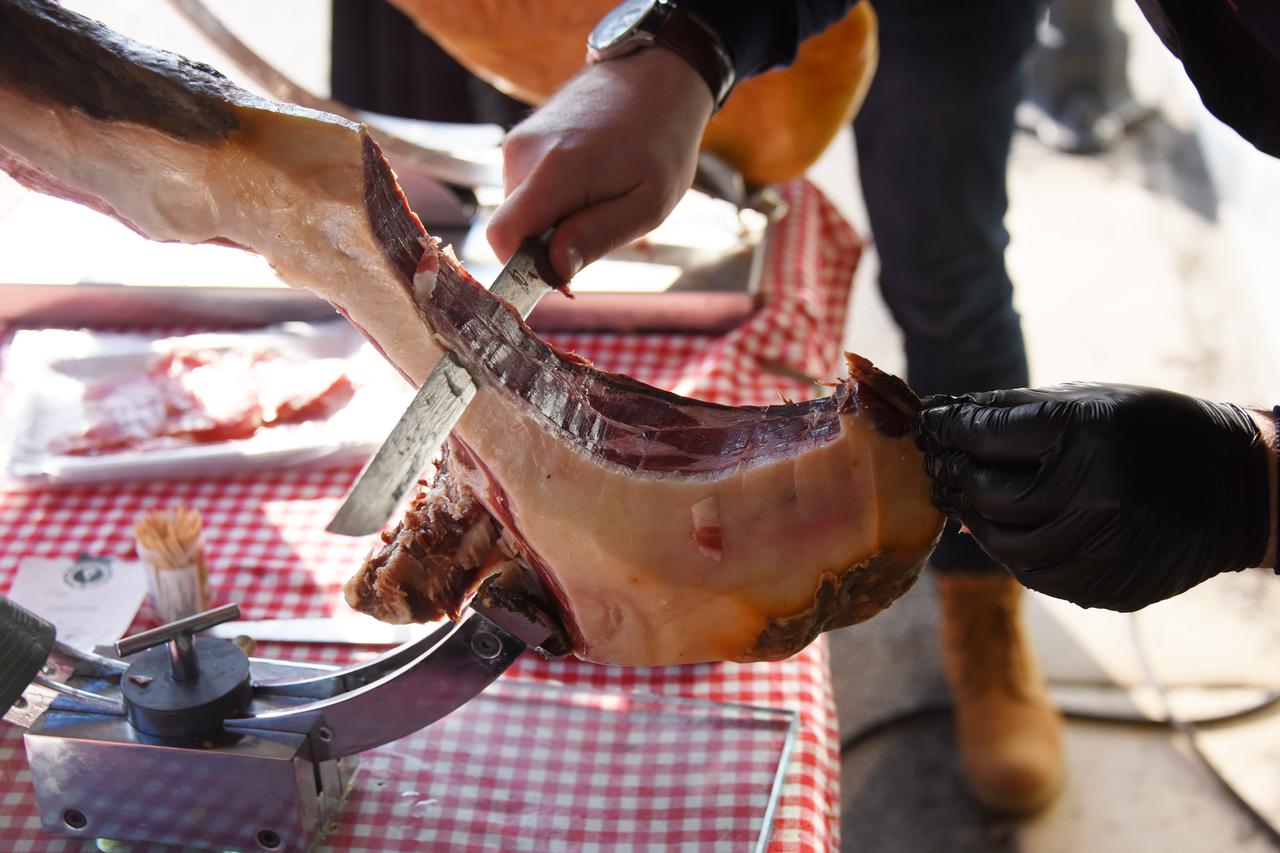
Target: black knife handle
539,249
25,643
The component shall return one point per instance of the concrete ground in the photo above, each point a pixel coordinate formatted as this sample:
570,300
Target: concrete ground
1123,274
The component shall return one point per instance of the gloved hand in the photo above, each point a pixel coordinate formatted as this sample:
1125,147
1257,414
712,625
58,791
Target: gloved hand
1108,496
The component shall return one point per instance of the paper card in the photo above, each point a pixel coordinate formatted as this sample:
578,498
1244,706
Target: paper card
92,600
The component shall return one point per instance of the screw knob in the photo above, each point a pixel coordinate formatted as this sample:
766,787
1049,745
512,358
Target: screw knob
173,695
182,652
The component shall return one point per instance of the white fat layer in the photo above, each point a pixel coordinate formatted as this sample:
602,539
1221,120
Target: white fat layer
706,518
424,283
706,513
476,543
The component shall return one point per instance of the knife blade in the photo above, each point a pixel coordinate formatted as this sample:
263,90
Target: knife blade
437,406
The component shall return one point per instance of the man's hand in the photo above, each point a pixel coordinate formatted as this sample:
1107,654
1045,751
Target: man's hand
1107,496
605,160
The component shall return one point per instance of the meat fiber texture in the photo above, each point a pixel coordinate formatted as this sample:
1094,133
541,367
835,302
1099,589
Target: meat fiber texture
659,529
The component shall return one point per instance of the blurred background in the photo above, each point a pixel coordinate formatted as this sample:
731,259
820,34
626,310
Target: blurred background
1151,259
1144,250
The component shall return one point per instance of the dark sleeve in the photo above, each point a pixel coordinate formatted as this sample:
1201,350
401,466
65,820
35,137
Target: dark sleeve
1230,53
764,34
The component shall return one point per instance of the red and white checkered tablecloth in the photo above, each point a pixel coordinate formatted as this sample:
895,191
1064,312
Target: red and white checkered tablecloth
268,551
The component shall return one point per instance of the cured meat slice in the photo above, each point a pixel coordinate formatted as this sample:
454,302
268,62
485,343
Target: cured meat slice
200,396
664,529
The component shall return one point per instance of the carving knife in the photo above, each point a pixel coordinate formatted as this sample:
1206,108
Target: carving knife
437,406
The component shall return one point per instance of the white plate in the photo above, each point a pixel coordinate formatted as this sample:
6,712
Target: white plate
46,372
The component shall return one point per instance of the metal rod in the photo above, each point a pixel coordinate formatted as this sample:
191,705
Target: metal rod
182,658
190,625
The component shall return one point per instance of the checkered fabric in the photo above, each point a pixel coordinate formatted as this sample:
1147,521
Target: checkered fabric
268,551
553,768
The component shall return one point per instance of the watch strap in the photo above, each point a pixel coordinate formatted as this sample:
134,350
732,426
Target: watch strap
688,36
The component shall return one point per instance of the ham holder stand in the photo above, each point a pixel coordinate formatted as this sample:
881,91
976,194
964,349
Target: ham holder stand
185,740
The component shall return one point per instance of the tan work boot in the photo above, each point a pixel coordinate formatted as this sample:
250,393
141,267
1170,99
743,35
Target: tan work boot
1010,735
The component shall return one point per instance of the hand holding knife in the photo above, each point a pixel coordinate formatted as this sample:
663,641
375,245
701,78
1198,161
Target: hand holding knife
438,404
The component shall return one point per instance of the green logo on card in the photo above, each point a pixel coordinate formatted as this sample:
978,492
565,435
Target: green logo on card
88,572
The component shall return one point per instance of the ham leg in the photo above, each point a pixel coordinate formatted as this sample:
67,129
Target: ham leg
663,529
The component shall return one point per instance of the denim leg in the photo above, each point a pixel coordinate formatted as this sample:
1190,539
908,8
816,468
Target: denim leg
933,146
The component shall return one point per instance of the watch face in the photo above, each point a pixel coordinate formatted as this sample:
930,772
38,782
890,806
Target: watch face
619,23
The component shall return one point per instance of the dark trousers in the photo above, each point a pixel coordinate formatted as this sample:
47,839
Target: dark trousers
933,147
381,62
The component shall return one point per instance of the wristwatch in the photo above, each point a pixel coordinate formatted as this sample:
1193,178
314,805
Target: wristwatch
634,24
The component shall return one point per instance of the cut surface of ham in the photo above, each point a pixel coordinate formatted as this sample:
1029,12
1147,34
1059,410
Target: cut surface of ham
656,529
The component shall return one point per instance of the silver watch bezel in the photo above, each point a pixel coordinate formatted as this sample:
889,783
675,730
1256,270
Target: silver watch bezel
607,42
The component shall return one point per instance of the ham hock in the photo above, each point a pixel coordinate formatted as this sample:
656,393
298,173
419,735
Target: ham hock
648,528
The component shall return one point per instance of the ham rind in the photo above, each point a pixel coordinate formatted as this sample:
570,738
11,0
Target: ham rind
661,529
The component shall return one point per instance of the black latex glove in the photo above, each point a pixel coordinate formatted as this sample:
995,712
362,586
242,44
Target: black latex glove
1104,495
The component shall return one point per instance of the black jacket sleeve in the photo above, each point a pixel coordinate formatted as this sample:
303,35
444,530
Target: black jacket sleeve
1231,52
764,34
1230,48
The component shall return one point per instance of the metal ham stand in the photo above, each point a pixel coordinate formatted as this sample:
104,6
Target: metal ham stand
186,740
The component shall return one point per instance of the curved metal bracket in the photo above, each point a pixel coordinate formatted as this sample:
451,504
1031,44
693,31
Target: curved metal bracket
450,667
328,681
